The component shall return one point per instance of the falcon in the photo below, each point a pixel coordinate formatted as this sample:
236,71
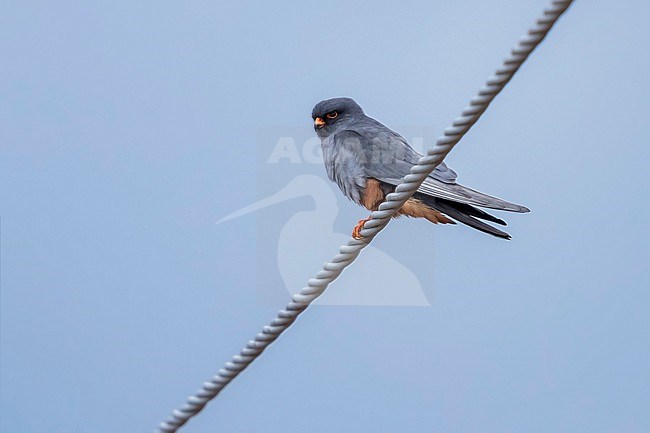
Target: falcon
367,160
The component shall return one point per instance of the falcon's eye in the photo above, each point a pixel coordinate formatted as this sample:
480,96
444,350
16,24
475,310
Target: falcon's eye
332,115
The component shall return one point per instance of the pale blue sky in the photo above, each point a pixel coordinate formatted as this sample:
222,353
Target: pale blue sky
128,128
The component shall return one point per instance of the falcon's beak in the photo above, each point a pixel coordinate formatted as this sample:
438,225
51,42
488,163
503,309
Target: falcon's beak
319,123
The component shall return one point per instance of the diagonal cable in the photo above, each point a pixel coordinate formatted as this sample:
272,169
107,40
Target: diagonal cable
379,219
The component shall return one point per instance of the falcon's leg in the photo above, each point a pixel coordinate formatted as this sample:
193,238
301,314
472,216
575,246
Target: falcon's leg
373,194
371,197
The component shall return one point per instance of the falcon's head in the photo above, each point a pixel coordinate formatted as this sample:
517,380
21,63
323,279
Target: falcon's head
331,115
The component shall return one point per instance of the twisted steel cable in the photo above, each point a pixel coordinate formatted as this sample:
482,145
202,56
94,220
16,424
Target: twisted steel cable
379,219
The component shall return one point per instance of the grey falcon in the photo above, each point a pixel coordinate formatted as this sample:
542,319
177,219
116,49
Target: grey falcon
367,160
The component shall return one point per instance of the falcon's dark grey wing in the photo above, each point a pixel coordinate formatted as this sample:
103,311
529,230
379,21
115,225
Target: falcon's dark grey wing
462,194
384,147
386,156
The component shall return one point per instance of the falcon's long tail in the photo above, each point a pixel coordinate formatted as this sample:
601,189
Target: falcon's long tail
466,214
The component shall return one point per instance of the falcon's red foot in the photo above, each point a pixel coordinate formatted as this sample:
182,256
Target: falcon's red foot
356,232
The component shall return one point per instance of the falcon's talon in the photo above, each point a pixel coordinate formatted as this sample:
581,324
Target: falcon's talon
356,232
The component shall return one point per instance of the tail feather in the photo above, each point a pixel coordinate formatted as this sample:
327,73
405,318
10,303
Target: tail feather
473,211
466,214
471,221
